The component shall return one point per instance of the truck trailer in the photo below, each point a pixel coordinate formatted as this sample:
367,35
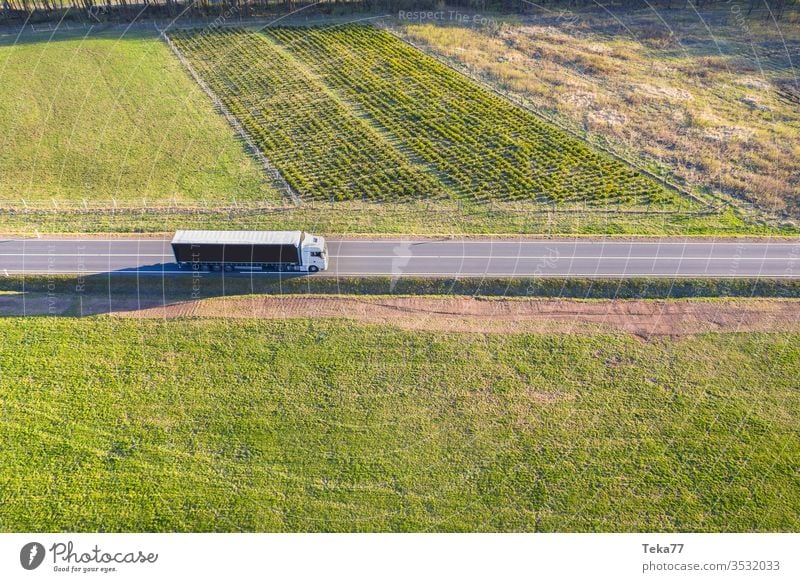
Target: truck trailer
265,250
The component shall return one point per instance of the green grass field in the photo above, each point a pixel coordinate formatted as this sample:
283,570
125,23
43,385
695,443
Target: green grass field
195,425
441,218
105,118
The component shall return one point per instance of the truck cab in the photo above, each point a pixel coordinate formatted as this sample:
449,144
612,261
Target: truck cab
315,253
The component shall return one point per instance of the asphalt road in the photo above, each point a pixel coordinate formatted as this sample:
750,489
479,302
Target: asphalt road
667,258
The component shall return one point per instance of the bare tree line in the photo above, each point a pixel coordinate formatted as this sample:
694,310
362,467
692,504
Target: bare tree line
776,8
18,11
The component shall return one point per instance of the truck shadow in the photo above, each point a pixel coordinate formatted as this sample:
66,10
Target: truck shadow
152,286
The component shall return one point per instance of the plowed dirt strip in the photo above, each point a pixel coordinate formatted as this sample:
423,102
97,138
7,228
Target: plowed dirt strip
642,318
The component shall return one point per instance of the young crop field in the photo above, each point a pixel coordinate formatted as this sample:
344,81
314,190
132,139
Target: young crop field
484,145
351,112
322,150
195,425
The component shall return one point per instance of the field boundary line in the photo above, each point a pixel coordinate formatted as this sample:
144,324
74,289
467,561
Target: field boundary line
237,126
398,207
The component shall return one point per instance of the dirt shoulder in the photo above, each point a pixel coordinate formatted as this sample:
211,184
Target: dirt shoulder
674,318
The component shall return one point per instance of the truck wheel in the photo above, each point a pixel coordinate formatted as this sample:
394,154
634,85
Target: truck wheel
228,268
313,269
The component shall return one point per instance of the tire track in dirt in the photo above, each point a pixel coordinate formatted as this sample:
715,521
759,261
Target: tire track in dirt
642,318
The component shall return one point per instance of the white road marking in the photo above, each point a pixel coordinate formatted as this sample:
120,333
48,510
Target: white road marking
565,257
461,257
81,255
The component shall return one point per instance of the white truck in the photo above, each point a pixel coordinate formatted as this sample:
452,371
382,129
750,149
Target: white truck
265,250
